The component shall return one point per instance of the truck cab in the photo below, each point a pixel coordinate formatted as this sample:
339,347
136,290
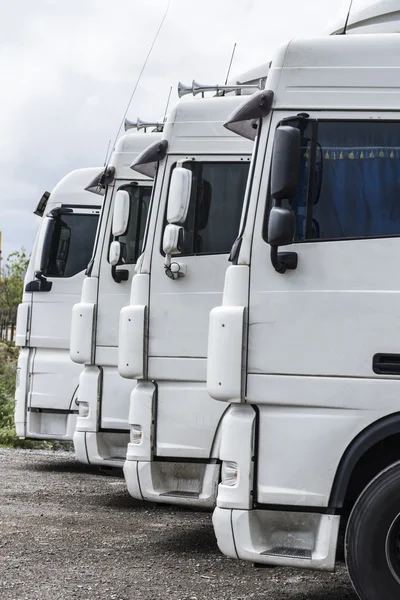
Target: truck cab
47,379
102,430
305,345
202,169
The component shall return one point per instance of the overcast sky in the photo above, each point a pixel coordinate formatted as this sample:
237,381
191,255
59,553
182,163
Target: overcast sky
68,67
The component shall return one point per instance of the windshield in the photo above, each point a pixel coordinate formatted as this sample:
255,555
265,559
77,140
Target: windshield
349,180
215,206
72,244
132,240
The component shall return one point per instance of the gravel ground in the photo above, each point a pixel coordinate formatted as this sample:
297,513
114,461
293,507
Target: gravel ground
68,531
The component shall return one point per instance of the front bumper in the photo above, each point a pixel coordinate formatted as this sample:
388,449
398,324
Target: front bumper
102,448
278,538
179,483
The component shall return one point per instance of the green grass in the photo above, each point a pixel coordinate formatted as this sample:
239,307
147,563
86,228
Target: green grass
8,436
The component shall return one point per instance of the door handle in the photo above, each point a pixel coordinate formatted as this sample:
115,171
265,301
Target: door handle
386,364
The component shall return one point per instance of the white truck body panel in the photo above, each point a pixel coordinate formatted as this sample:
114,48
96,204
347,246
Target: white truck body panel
180,464
313,332
102,431
48,379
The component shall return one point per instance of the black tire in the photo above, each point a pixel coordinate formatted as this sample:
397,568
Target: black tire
372,542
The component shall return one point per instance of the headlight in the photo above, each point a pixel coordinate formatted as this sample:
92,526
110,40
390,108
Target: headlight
229,473
83,409
136,434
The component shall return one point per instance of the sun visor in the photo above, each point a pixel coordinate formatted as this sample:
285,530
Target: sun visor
244,120
147,161
101,181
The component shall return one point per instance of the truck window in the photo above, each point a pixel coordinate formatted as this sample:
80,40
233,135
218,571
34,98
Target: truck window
139,207
72,244
215,207
350,181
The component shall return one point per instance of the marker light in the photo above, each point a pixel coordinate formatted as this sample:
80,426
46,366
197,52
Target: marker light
229,473
136,434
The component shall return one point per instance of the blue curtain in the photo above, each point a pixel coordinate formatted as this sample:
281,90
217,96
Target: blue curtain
360,192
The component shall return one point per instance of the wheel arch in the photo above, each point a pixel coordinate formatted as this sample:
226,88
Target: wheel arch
366,441
216,443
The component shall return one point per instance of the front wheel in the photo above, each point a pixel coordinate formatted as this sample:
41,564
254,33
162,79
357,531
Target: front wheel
372,541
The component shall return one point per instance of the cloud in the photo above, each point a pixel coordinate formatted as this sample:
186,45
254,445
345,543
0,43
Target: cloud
67,70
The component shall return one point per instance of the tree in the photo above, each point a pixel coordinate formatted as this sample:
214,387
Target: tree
12,281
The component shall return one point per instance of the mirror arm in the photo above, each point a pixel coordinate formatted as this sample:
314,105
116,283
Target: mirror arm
118,276
39,284
174,270
283,261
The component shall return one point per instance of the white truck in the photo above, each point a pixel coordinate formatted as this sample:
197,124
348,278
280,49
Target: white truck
47,379
306,345
102,430
199,190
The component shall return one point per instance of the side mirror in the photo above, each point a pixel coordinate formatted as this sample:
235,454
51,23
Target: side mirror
179,195
44,244
281,230
172,239
121,213
281,227
285,174
285,168
115,253
63,247
40,283
204,205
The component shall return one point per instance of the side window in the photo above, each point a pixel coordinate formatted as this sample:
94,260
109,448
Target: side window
353,188
132,241
72,244
215,208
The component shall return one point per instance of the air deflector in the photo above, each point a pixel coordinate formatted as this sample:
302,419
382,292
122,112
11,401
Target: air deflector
245,119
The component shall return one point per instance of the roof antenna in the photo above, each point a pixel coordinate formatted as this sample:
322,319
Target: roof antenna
141,72
166,108
230,64
106,156
347,19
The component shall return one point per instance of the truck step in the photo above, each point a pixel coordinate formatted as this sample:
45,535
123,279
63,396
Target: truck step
180,494
288,552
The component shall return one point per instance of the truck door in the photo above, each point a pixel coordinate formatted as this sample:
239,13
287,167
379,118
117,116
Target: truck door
187,418
54,377
113,296
321,335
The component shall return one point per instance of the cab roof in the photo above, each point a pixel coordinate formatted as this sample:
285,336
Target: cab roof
195,126
356,72
128,147
71,189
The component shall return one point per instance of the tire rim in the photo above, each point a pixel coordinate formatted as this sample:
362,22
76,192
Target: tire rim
393,548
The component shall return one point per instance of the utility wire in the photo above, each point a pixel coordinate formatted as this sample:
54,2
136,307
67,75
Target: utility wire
141,72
